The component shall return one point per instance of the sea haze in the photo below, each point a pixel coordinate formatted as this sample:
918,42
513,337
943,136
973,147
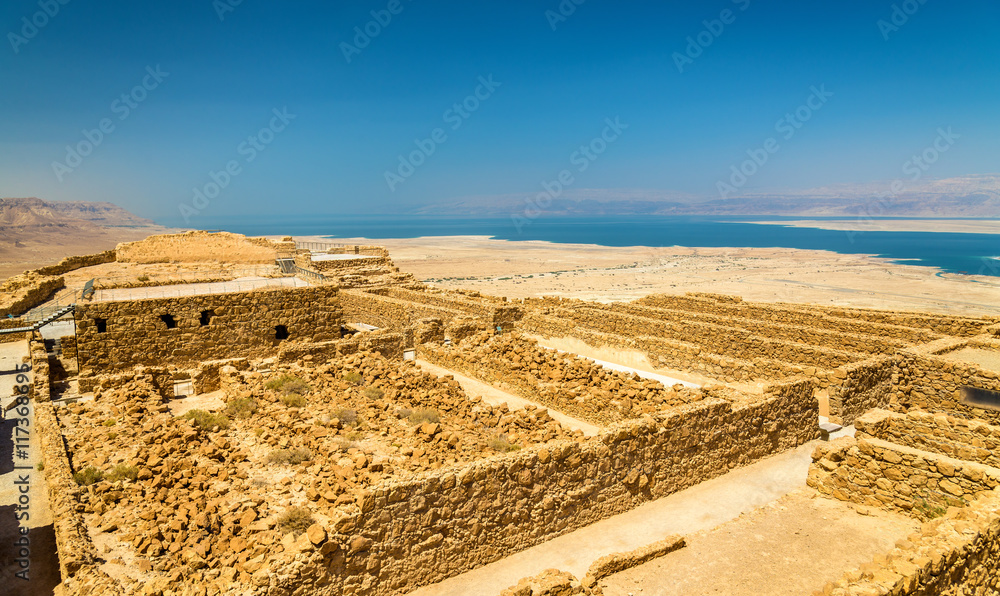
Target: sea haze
950,252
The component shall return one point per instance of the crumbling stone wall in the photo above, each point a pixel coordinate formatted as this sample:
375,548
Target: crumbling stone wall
877,473
968,440
41,384
15,323
197,246
572,385
666,353
240,325
79,262
389,344
21,293
386,312
955,555
911,327
926,381
717,339
421,531
861,387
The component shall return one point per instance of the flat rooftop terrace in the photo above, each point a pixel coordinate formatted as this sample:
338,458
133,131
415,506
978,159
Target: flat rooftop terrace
244,284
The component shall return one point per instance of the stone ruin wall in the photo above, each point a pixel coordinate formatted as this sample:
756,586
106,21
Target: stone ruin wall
665,353
397,309
418,532
968,440
957,551
243,325
15,323
908,326
79,262
724,341
389,344
862,387
927,381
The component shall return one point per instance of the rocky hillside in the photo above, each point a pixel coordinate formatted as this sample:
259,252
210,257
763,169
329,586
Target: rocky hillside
35,233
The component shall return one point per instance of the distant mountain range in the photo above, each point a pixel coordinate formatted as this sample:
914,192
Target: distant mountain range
34,232
968,196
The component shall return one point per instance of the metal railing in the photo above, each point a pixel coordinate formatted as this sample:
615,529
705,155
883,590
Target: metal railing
317,246
310,275
195,289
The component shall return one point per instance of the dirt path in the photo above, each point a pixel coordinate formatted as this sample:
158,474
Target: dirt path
792,546
24,502
698,508
495,397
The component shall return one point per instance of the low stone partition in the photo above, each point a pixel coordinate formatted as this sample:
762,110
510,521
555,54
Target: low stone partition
6,338
859,387
672,354
927,381
205,378
405,534
958,553
967,440
835,339
386,312
877,473
910,327
618,562
725,341
21,293
391,345
41,383
568,384
79,262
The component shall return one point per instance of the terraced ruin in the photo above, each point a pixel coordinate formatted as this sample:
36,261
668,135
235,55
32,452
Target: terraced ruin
307,419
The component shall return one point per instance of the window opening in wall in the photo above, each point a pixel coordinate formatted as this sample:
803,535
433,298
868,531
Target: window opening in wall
281,332
206,317
102,325
169,321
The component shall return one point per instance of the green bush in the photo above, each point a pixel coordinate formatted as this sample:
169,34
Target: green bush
288,384
88,476
207,420
422,415
143,278
241,408
289,456
354,378
41,466
122,471
110,422
374,393
293,400
502,445
346,416
295,519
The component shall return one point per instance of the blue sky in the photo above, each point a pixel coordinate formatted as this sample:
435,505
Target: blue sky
554,72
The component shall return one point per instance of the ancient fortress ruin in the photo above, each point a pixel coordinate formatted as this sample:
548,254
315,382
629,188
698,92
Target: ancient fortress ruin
264,427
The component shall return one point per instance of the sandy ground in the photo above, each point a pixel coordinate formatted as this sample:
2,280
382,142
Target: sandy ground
792,546
590,272
987,359
20,452
862,224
